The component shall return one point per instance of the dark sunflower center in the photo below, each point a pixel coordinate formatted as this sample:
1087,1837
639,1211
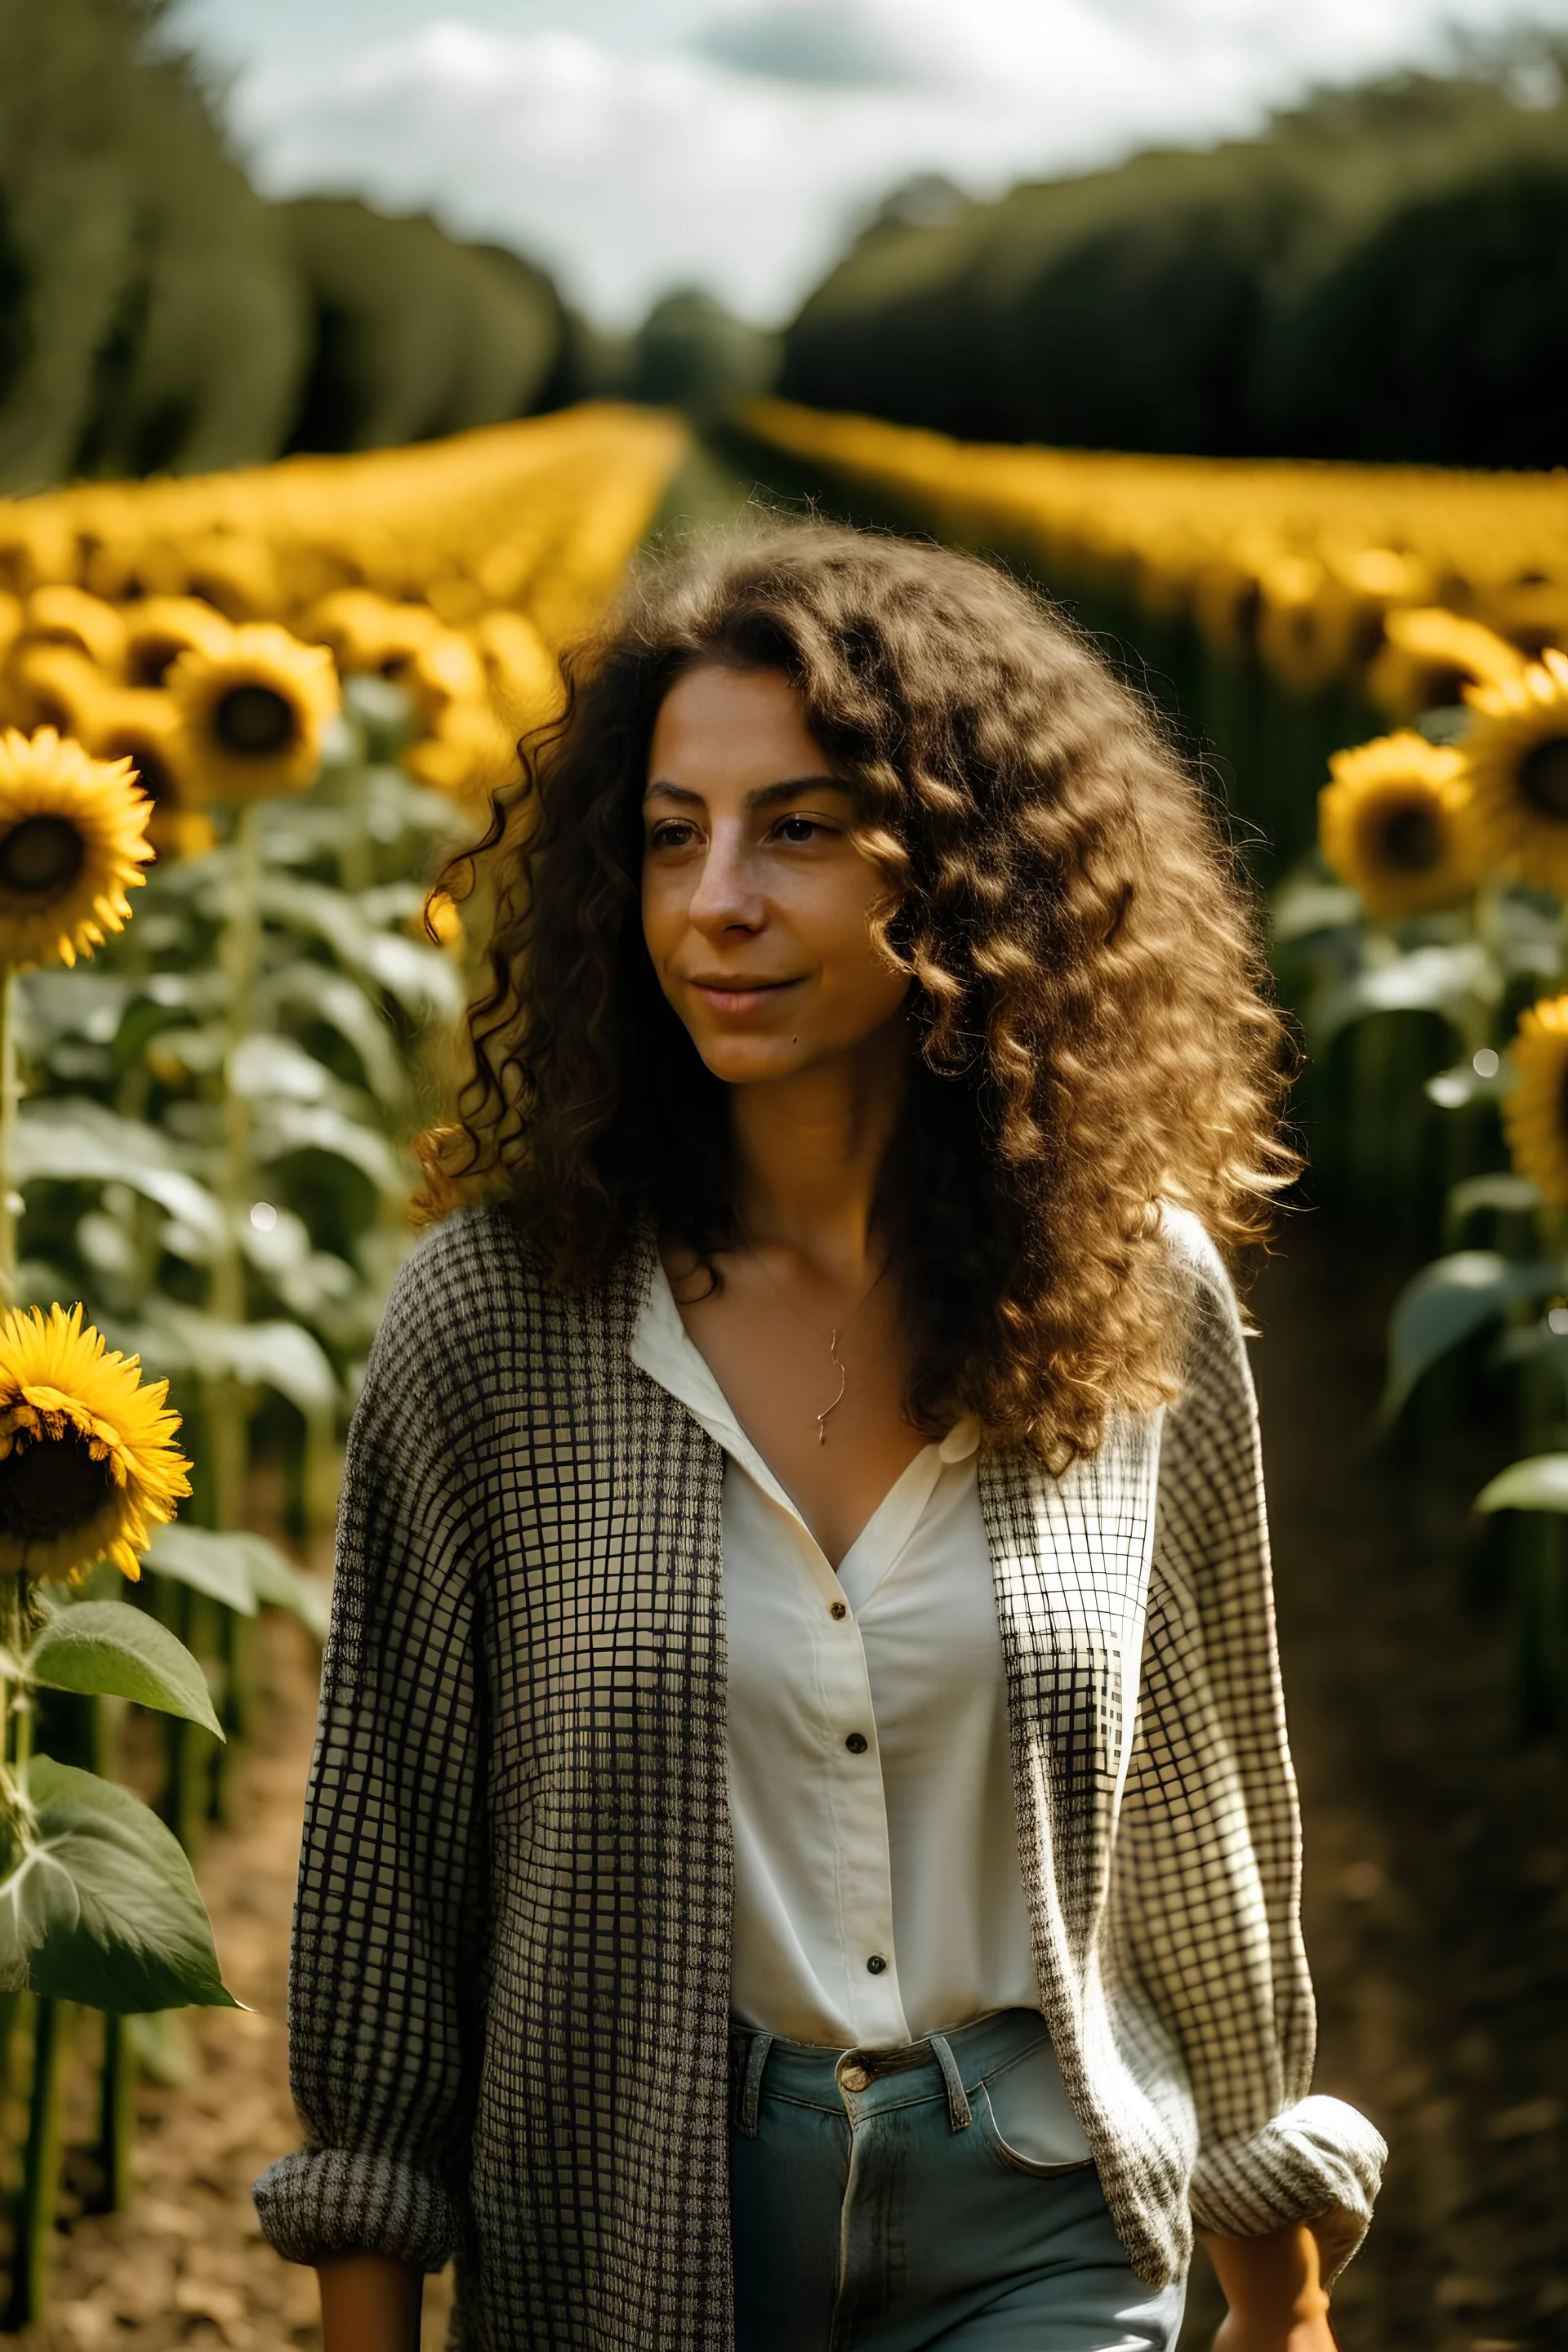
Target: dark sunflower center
151,775
1413,840
1543,777
41,856
254,720
153,661
51,1487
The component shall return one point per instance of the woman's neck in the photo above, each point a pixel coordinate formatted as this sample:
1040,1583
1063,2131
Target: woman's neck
809,1151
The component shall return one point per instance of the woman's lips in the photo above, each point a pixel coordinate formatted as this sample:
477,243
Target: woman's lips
737,996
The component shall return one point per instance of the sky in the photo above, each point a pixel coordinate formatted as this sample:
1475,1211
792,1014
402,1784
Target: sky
636,145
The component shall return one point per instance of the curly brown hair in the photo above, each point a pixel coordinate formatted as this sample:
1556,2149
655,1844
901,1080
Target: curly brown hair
1086,981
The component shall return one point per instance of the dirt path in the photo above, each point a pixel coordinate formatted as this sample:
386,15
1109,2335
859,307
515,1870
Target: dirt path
187,2266
1436,1882
1437,1900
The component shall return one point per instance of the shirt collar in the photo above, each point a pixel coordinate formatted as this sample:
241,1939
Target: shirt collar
662,1347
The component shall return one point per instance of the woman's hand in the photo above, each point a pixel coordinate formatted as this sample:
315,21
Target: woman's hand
1275,2290
369,2302
1239,2335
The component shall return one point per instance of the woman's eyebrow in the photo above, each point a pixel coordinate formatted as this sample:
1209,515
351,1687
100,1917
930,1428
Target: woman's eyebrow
764,796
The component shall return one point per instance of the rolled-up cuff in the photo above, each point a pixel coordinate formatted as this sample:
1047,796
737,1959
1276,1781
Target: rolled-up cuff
1319,2161
329,2201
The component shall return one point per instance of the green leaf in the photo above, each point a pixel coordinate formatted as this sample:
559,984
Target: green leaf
271,1066
278,1584
283,1128
1445,1304
38,1899
242,1570
1537,1484
1446,980
312,993
217,1565
424,979
55,1005
277,1355
107,1647
1502,1190
1305,906
81,1141
123,1925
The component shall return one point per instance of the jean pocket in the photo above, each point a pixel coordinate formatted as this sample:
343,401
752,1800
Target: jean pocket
1027,2119
1012,2157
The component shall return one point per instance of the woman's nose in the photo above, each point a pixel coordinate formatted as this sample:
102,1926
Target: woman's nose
726,897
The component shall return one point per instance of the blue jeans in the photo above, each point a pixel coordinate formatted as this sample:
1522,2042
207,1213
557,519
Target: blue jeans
877,2207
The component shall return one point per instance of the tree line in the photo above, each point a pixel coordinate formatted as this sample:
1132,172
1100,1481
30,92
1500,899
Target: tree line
1383,274
157,314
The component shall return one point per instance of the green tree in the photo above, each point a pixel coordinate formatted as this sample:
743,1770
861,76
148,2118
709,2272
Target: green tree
1188,301
149,316
413,334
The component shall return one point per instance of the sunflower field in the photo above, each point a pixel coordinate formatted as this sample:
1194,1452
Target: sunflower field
243,719
1378,656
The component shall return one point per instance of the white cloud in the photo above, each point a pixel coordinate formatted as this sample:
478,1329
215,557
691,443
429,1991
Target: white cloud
736,157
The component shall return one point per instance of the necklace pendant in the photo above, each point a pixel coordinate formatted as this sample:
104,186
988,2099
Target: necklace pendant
843,1384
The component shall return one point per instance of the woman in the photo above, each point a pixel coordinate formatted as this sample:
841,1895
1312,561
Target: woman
802,1849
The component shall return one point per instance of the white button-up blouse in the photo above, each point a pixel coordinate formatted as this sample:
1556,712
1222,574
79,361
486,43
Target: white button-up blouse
878,1896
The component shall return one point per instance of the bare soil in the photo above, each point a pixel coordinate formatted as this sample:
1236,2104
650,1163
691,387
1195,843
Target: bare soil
187,2266
1436,1892
1437,1905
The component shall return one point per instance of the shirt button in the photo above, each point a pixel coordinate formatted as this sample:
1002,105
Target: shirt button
876,1966
839,1609
857,1743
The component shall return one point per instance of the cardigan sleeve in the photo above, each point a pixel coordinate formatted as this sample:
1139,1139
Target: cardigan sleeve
1211,1813
389,1916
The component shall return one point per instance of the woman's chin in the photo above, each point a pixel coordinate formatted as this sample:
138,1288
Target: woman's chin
752,1061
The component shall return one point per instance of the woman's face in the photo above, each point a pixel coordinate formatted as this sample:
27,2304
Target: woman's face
756,902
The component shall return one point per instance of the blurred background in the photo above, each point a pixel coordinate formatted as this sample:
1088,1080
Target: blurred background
1240,327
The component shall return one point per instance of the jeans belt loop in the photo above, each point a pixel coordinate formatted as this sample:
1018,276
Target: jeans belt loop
757,2051
960,2115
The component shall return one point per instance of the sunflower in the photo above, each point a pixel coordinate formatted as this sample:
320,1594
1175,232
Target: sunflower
445,673
466,752
225,568
73,840
1309,628
367,632
59,615
1428,657
1516,753
524,676
252,714
142,726
1396,824
53,686
159,629
10,622
1535,1114
88,1463
439,920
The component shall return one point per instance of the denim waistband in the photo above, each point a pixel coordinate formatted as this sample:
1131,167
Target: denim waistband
948,2066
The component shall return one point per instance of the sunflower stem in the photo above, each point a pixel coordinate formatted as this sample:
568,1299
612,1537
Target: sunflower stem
240,946
10,1201
19,1620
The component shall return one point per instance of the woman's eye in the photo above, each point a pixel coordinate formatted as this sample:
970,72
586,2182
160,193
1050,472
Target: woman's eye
673,835
798,828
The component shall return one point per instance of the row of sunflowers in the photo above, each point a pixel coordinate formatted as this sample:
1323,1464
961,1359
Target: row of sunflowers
241,721
1287,608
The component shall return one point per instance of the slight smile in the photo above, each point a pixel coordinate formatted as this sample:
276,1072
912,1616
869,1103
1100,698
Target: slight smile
737,996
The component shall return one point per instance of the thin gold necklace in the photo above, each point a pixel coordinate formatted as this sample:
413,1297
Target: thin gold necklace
829,1337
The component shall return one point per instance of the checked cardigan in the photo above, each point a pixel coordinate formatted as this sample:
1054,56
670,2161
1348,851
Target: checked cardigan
510,1993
